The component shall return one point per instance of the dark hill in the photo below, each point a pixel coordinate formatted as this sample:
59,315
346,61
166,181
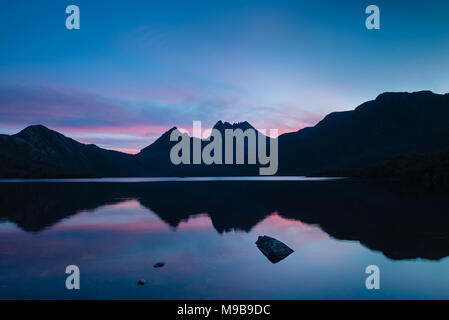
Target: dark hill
156,157
391,125
38,151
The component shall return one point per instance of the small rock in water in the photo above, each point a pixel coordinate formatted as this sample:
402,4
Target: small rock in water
273,249
142,282
159,265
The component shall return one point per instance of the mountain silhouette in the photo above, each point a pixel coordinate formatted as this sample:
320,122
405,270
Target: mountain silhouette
351,143
222,126
155,159
393,124
38,151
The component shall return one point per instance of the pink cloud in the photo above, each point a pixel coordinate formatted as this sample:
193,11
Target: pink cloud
130,125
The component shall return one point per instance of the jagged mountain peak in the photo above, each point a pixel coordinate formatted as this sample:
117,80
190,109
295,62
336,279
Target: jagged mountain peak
220,125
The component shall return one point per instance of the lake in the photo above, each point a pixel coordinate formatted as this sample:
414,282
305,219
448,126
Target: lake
205,229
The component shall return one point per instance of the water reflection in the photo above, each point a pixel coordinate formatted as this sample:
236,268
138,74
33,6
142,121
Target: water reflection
205,232
401,223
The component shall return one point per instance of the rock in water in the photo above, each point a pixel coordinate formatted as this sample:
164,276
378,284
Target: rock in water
141,282
273,249
159,265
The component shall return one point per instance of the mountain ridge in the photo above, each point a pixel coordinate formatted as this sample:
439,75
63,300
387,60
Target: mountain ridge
391,125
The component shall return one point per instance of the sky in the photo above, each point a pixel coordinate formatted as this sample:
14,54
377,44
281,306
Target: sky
135,69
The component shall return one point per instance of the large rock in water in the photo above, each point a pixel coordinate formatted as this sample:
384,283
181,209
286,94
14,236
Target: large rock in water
273,249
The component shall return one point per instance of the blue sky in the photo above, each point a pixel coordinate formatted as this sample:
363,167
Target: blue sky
137,68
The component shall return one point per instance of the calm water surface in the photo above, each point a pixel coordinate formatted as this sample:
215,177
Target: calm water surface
176,179
205,232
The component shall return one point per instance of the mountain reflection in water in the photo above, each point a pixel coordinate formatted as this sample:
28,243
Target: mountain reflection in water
121,229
